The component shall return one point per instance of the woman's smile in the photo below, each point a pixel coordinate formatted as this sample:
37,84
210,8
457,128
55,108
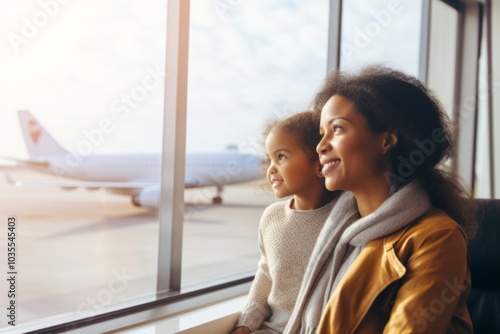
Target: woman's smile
329,165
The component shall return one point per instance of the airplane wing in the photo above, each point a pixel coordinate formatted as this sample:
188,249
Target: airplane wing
29,163
191,182
79,184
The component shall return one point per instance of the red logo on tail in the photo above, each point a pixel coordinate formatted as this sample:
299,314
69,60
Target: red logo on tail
34,131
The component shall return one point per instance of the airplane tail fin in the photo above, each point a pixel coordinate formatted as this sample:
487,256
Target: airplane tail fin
38,140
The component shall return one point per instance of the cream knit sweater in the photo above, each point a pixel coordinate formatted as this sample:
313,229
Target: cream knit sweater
286,241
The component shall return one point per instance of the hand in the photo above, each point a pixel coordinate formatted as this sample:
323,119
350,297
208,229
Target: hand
241,330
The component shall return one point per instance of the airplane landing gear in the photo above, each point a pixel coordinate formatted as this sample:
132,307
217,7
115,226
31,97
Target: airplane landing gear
218,198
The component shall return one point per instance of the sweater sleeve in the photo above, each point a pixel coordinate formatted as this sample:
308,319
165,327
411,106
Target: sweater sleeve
257,310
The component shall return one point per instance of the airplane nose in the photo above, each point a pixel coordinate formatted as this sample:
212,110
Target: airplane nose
260,165
264,164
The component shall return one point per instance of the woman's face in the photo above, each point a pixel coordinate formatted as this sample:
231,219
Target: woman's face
353,157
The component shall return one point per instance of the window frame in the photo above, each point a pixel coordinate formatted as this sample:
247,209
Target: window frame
171,213
170,299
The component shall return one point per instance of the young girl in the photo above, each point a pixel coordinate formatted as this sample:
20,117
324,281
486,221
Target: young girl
288,229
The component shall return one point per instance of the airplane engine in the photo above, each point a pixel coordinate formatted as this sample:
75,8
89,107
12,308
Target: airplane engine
147,198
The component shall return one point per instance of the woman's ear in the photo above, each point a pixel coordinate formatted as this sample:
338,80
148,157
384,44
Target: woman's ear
390,140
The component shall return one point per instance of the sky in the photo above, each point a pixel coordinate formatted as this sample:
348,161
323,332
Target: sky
74,63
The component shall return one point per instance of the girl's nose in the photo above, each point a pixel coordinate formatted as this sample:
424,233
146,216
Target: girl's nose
271,169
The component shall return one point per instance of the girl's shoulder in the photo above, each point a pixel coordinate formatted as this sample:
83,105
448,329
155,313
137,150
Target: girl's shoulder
274,214
278,207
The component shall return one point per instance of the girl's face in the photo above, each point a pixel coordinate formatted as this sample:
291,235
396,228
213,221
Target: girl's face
351,154
290,171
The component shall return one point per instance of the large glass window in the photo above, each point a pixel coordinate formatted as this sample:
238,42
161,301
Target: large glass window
381,32
88,78
91,76
441,74
249,61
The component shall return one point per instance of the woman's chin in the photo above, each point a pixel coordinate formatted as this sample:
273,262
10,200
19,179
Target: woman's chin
331,185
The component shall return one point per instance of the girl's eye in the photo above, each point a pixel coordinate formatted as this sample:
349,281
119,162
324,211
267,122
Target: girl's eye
281,157
336,128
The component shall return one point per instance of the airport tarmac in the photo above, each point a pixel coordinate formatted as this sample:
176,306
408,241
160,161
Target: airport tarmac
80,252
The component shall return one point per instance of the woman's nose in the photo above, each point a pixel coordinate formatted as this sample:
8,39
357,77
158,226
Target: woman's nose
322,146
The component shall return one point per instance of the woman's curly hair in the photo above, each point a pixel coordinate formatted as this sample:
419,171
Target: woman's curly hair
393,101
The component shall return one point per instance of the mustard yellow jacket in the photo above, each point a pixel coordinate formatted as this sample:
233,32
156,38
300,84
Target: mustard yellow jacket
414,281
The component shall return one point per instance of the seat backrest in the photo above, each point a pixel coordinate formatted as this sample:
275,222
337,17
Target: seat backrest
484,255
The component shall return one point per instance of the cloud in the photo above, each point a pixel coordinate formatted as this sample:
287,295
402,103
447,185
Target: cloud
381,31
262,58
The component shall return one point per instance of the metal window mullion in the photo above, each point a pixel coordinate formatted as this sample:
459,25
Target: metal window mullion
489,59
334,35
171,209
466,112
425,26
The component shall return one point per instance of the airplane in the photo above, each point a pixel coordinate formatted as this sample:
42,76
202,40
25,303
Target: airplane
136,175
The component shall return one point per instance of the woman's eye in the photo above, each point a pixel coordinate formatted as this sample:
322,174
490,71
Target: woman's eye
336,128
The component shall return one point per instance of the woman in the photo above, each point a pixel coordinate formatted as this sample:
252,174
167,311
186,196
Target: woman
392,256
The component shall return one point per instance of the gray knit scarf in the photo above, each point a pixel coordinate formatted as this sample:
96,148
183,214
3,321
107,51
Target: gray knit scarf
342,238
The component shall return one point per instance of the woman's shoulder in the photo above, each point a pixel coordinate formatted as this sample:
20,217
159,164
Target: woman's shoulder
434,225
437,220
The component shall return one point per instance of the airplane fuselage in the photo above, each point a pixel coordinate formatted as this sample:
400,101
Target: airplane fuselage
202,169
